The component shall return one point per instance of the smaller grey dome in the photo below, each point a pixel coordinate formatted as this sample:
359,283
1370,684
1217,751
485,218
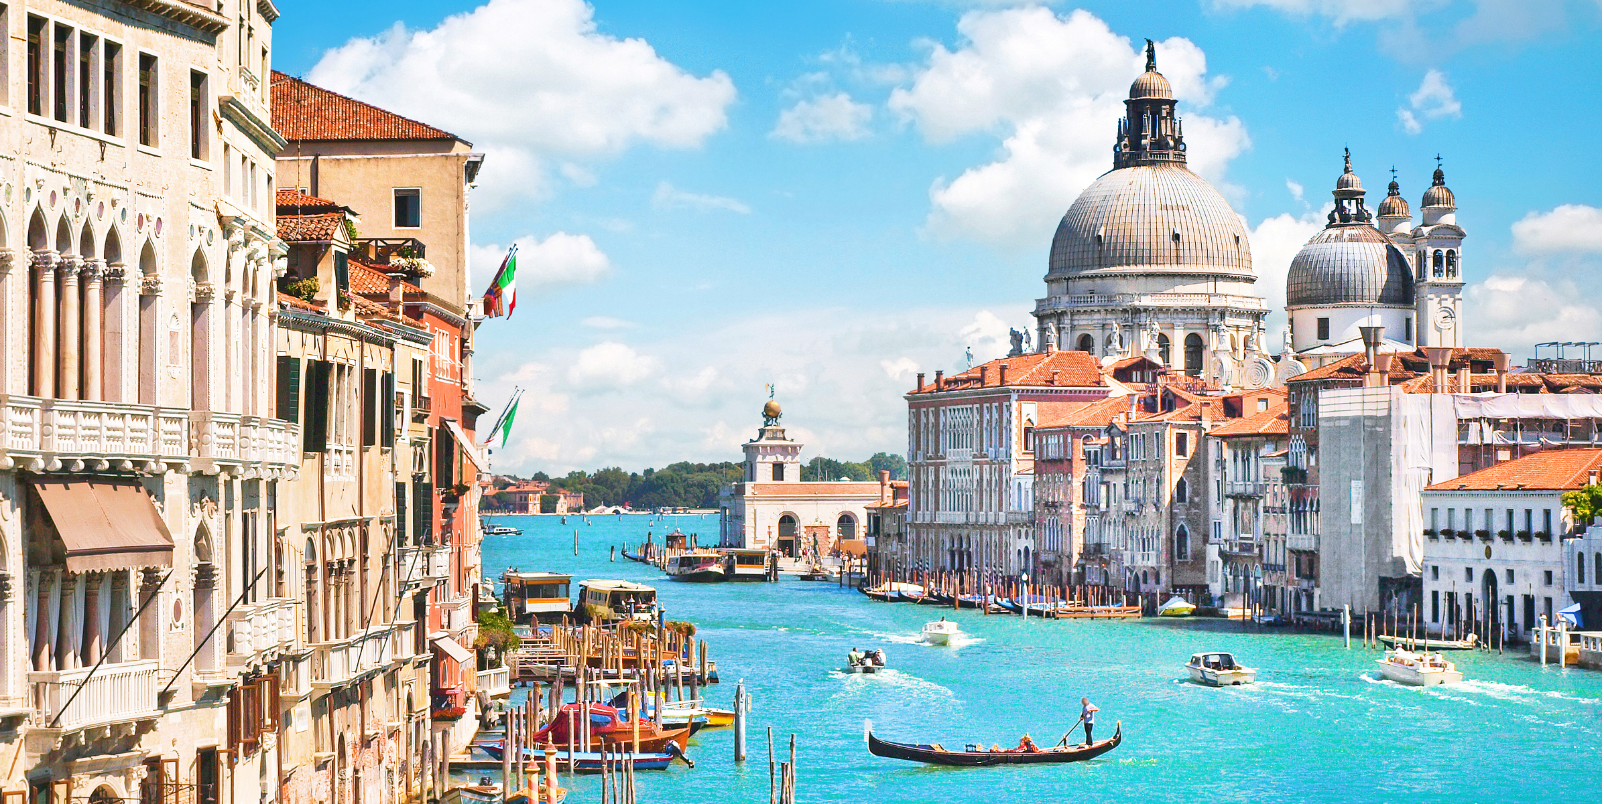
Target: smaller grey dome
1351,265
1348,181
1393,206
1438,194
1151,84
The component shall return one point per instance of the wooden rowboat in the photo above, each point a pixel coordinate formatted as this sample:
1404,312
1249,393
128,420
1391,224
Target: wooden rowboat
936,755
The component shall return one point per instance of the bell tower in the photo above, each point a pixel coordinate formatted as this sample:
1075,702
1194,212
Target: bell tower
1150,133
1439,272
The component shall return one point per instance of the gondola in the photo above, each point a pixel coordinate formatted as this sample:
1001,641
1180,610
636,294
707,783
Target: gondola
936,755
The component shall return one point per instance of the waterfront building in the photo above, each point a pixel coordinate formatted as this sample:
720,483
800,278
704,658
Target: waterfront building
145,617
971,456
1151,260
1247,553
1584,573
772,507
1496,543
1070,497
886,528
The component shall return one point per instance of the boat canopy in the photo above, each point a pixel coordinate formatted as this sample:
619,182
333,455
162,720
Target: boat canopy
1176,604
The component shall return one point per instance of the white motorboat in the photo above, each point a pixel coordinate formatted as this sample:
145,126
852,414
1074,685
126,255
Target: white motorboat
871,662
940,632
1468,643
1219,670
1418,669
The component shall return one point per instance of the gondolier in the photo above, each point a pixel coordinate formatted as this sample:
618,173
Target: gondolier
1088,713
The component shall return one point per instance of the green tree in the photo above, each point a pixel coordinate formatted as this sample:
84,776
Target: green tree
1584,504
885,461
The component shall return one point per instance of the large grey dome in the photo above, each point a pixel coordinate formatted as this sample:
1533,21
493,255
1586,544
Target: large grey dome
1349,265
1150,219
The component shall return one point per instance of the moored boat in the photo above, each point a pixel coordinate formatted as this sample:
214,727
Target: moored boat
1219,670
742,564
535,596
975,756
610,601
940,632
895,592
591,761
1418,669
697,566
1176,607
1468,643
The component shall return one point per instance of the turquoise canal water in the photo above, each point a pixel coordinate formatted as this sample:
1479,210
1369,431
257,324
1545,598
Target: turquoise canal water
1318,727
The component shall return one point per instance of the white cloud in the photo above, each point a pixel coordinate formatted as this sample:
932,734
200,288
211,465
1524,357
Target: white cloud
1051,89
1275,241
1565,228
1434,100
822,119
610,366
561,259
1295,189
606,322
1416,29
531,82
1341,12
668,196
1515,312
696,393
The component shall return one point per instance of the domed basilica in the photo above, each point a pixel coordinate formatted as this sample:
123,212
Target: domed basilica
1150,260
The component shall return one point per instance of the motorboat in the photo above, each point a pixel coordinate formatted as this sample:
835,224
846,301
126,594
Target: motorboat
742,564
1176,607
940,632
535,596
591,761
1468,643
696,566
607,726
502,530
871,662
678,713
1218,670
895,592
482,793
610,601
976,756
1418,669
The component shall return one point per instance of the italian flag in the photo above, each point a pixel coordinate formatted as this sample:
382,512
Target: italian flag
503,291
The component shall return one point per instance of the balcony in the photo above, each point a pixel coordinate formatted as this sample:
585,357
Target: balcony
495,682
338,663
1239,548
447,704
118,693
262,632
226,440
425,566
1245,488
49,435
459,615
379,250
1307,542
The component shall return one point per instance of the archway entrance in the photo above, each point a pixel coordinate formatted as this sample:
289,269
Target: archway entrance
1489,595
785,542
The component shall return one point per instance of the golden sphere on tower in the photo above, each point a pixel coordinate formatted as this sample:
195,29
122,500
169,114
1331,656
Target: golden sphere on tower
771,409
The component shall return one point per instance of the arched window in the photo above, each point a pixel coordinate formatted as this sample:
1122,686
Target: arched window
846,527
86,241
1085,343
1183,544
1453,263
1144,576
200,359
1436,263
103,795
1164,349
112,252
64,237
1420,265
1194,354
1180,490
311,574
201,607
786,540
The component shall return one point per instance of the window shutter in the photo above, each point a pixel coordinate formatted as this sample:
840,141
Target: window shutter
389,403
370,407
289,388
342,273
234,724
316,431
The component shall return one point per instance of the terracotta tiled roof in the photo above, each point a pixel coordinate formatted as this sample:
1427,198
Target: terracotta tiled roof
1090,415
302,228
295,202
1075,370
297,303
303,111
1270,422
1405,365
1554,469
369,280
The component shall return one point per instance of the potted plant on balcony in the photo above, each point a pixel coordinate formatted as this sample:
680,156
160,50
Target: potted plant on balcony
1464,534
1481,534
1524,535
1446,532
1544,536
1431,534
1504,534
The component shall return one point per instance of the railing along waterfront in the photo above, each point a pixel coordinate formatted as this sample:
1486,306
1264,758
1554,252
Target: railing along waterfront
121,692
496,682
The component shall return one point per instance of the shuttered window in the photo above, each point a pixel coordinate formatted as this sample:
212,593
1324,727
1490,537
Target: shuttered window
289,388
389,404
316,431
370,407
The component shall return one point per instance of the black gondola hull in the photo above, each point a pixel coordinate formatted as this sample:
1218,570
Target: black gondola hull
933,755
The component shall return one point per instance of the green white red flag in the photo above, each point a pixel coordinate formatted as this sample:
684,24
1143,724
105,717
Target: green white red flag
502,296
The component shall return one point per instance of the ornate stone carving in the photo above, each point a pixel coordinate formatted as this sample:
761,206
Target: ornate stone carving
115,272
150,285
93,270
205,292
45,260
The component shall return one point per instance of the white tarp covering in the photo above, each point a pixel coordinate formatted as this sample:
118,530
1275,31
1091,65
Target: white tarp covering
1528,406
1425,451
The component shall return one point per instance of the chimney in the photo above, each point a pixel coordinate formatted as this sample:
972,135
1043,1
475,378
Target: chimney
1372,341
920,383
1384,365
1439,356
1052,346
983,372
1054,380
885,486
1132,397
1002,374
396,293
1207,414
938,381
1501,368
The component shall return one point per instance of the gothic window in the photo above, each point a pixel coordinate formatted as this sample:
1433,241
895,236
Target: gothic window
1453,263
1194,354
1180,490
1436,263
1085,344
1183,544
1164,349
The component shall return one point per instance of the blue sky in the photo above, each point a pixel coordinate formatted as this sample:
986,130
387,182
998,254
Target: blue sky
831,196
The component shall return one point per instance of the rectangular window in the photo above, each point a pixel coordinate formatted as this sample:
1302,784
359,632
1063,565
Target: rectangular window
289,389
316,432
206,776
111,92
199,105
5,55
370,407
60,72
408,209
389,404
1409,334
1180,444
228,171
1487,520
149,130
779,471
1436,615
87,73
1434,569
1509,520
1548,521
1433,520
1322,329
37,76
1548,577
1528,520
342,273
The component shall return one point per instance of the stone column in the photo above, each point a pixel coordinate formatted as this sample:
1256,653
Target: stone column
114,349
92,329
9,320
44,324
145,362
70,333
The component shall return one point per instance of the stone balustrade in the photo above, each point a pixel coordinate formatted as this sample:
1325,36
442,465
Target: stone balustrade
495,682
263,631
124,692
55,435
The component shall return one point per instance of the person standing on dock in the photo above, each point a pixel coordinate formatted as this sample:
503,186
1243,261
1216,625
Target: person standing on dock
1088,713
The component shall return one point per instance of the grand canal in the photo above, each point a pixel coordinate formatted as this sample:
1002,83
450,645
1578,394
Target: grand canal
1318,727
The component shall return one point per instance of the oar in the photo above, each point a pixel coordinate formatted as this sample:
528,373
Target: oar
1064,740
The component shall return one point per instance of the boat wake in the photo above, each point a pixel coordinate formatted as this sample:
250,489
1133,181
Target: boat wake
891,679
1517,692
